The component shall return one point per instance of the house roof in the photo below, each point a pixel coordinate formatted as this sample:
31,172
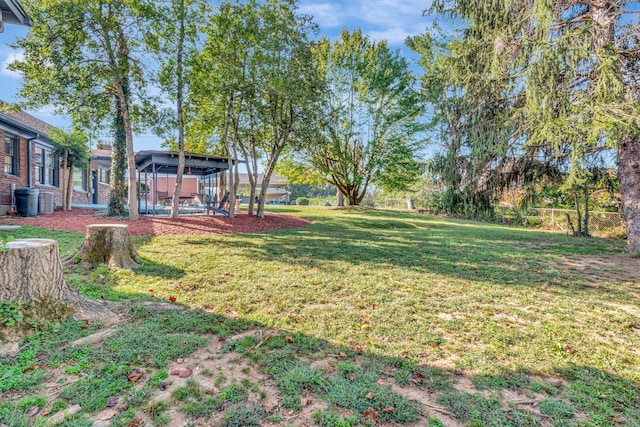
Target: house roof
166,162
24,122
12,12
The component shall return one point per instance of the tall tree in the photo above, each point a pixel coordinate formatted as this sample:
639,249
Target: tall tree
174,42
567,75
371,118
78,58
257,83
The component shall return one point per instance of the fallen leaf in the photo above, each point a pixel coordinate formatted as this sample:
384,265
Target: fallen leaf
619,420
343,354
380,382
290,339
389,409
352,376
134,376
371,414
180,360
100,276
135,423
357,348
371,395
150,290
165,318
182,373
172,299
373,306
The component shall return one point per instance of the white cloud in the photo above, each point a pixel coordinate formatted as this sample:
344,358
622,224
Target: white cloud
5,71
327,15
394,36
381,19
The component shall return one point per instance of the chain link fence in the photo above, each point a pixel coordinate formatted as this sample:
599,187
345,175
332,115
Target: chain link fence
604,224
600,223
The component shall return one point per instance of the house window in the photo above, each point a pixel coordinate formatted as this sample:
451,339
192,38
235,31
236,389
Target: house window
10,155
45,167
104,176
80,179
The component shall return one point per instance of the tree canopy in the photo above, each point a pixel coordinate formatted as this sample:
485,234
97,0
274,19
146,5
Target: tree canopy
370,119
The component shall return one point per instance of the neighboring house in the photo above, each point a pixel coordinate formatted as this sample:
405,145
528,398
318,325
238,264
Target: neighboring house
12,13
100,165
28,160
276,193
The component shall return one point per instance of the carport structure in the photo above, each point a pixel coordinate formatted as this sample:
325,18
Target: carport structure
152,164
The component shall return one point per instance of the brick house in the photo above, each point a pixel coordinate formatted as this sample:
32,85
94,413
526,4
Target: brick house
11,12
28,161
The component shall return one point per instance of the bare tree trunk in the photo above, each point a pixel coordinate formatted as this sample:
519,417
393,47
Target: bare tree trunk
222,185
578,212
273,160
132,199
106,244
340,197
68,195
31,273
629,173
175,203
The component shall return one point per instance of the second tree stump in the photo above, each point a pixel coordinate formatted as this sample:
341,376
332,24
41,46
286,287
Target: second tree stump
106,244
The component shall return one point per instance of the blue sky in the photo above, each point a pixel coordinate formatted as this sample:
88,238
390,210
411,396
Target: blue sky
389,20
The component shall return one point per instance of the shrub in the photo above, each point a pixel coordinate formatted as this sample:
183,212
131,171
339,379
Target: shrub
302,201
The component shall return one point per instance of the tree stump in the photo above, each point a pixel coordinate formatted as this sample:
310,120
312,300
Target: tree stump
106,244
31,273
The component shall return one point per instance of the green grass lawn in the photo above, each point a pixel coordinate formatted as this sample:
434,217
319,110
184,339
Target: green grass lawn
426,298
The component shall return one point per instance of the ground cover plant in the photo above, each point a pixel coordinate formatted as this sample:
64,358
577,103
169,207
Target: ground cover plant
364,317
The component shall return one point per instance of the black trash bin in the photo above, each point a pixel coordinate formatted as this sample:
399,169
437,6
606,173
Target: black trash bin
27,201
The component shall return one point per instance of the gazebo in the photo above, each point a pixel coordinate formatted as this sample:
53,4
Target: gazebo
151,164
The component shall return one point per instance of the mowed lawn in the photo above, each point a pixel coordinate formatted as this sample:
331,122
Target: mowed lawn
500,306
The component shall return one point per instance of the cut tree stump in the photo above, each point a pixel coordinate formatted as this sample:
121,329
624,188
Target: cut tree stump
31,273
106,244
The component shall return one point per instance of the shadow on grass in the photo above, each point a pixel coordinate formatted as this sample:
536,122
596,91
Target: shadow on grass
353,385
452,248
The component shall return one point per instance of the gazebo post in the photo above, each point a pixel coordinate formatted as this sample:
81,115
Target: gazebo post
154,178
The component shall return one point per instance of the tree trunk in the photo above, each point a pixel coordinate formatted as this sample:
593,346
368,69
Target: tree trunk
118,166
629,173
340,197
106,244
68,195
175,203
31,273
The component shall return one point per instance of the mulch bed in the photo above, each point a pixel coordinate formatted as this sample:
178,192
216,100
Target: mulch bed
78,219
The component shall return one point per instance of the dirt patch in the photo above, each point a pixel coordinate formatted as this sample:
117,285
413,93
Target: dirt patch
617,267
78,219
